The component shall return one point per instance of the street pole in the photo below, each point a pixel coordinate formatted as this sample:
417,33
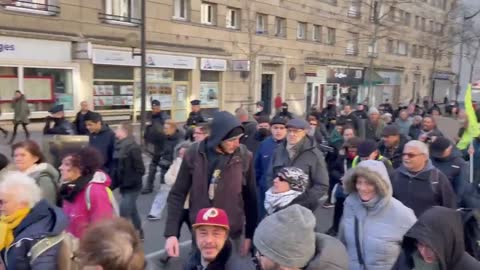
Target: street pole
460,60
143,82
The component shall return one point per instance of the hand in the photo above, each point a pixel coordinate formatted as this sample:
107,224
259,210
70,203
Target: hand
423,138
245,248
471,150
172,247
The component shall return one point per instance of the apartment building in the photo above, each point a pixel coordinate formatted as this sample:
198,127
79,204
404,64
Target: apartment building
225,53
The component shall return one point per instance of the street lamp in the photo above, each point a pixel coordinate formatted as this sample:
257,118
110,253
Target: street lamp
132,41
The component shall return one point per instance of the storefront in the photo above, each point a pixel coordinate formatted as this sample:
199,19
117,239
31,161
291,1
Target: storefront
42,70
343,84
386,85
210,83
315,87
117,82
443,86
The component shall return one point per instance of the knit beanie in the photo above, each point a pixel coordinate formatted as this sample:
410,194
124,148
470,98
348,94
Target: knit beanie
287,237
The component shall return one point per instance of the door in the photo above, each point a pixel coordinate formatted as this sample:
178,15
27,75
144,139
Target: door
312,96
267,89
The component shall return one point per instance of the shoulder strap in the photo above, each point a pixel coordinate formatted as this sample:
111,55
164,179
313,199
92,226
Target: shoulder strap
357,244
434,181
111,198
43,245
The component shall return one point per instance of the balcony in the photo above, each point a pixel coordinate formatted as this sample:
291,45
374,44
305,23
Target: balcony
38,7
119,20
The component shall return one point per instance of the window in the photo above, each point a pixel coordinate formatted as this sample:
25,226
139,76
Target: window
354,11
330,36
431,26
233,18
209,13
280,27
417,22
40,7
113,87
390,48
372,50
352,44
424,24
408,18
122,12
180,9
301,30
261,23
317,33
420,51
414,51
402,47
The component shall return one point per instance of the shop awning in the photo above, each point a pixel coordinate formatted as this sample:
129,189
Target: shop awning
376,79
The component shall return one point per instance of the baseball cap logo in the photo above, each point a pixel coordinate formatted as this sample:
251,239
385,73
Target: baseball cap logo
211,213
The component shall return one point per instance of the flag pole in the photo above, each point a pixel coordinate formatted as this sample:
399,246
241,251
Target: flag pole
471,162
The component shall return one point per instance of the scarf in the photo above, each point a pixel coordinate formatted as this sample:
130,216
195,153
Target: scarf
8,224
70,190
121,147
274,201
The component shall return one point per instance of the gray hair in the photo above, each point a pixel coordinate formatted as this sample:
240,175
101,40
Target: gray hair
421,146
241,111
25,188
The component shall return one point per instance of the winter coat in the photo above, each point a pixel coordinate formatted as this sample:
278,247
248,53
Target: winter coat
441,229
80,217
154,131
311,160
20,110
236,190
404,126
44,220
374,132
432,133
195,118
330,254
263,158
350,120
396,155
457,171
414,131
169,144
248,138
47,178
79,123
104,142
129,168
424,189
227,259
381,225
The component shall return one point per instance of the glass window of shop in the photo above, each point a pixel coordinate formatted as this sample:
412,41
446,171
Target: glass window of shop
209,89
43,87
113,87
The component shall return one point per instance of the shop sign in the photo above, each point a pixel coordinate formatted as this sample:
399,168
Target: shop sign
116,58
213,64
441,76
13,48
345,76
124,58
171,61
240,65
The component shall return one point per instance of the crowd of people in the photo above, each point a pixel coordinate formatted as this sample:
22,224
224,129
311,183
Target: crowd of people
249,187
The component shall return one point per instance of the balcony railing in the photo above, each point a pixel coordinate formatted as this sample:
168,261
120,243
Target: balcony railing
45,8
120,20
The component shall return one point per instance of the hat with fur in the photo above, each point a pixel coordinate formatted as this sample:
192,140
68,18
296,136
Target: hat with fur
374,172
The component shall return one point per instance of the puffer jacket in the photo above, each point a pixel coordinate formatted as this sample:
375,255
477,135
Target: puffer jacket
43,220
441,229
80,217
382,222
47,178
330,254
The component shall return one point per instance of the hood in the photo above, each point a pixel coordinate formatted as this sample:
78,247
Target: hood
330,254
100,177
454,155
223,122
375,172
43,219
440,228
427,168
179,146
43,168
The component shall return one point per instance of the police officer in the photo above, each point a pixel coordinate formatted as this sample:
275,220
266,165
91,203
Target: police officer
61,126
194,118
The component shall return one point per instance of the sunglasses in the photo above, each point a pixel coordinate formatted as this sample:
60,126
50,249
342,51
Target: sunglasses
410,155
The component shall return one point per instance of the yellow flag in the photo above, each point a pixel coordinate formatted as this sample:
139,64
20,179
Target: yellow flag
473,129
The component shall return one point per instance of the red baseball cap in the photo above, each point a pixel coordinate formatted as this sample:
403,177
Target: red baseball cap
212,217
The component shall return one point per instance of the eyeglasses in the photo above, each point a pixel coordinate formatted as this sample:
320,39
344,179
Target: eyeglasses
411,155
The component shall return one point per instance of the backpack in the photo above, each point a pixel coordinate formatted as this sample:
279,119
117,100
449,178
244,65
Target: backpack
66,254
110,197
471,231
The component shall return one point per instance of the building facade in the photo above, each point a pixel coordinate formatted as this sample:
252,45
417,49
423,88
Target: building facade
225,53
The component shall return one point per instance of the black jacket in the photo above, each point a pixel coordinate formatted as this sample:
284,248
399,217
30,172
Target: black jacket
248,138
427,188
311,160
194,118
396,156
43,220
169,143
79,123
104,142
225,260
61,126
414,131
129,169
441,229
456,169
361,114
236,191
350,120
